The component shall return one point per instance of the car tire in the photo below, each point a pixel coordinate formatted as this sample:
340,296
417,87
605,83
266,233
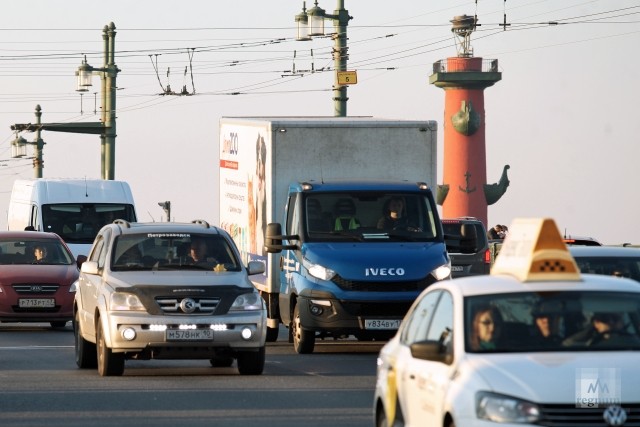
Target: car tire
303,341
109,363
86,355
272,334
251,362
58,324
221,362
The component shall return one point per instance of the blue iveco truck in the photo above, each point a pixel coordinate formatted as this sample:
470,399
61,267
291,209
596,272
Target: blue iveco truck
346,252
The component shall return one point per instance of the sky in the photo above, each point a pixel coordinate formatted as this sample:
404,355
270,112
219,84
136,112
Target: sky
563,117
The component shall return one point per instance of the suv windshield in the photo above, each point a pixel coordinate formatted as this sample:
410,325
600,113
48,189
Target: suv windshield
370,215
80,222
553,321
171,251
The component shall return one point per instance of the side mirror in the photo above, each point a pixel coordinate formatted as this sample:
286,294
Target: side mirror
430,350
80,260
255,267
89,267
273,239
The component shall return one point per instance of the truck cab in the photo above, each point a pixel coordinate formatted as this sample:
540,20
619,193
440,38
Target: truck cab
347,264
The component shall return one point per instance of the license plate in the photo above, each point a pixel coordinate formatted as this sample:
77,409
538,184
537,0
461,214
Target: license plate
36,303
382,324
189,335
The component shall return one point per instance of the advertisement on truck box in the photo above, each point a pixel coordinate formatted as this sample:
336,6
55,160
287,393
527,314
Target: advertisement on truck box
244,168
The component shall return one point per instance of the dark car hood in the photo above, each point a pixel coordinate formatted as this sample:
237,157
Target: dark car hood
63,275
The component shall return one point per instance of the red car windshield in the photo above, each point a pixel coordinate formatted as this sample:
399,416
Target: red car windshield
34,251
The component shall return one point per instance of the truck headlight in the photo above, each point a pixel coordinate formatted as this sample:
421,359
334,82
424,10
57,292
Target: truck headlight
318,271
505,409
442,272
247,302
122,301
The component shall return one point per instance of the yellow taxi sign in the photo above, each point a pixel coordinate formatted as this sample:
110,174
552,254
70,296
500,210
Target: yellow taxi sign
347,77
534,251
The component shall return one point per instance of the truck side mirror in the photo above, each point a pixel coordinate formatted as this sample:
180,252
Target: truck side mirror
273,239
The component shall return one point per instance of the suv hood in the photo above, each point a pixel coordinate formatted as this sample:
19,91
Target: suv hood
184,279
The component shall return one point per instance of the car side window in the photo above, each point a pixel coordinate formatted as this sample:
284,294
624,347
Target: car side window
418,321
441,327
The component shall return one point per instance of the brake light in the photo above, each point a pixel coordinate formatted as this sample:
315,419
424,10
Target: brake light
487,256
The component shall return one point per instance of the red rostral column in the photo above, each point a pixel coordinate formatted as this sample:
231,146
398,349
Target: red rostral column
465,191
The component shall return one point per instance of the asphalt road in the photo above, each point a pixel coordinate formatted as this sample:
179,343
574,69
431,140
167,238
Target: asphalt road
42,386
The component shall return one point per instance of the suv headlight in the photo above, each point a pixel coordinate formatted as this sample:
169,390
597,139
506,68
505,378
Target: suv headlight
122,301
505,409
248,302
318,271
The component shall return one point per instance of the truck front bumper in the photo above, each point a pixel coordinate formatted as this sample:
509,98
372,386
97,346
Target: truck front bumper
345,317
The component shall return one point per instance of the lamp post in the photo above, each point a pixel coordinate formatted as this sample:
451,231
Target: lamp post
166,207
106,127
311,23
19,146
108,74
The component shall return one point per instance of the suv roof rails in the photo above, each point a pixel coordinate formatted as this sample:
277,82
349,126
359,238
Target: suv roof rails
201,222
123,223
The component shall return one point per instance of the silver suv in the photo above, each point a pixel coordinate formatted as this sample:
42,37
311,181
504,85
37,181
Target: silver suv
167,291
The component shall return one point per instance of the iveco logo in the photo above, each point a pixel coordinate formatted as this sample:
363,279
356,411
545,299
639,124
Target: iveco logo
35,288
188,305
614,416
384,271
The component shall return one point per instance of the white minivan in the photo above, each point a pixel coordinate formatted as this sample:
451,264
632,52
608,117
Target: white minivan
75,209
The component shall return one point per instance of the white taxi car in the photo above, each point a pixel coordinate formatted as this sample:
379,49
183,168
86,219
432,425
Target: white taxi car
167,291
534,343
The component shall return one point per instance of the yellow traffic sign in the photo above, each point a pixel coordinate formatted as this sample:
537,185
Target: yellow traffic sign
347,77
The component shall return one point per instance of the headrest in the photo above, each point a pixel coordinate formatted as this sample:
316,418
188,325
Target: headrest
345,207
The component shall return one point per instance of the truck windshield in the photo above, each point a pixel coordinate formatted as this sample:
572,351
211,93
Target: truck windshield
370,216
80,222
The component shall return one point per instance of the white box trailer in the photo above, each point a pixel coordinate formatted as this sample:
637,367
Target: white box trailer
75,209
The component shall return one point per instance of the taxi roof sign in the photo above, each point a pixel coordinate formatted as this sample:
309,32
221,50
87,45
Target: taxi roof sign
534,251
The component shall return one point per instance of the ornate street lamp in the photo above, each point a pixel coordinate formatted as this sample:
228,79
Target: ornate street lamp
311,23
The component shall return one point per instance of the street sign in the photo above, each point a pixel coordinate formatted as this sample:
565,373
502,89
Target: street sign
347,77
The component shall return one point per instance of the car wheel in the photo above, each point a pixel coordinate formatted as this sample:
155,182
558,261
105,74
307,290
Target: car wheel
221,362
303,341
109,363
86,356
272,334
251,362
58,324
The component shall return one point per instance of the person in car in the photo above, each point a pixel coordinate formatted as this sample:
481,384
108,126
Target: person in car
40,254
198,254
394,216
487,329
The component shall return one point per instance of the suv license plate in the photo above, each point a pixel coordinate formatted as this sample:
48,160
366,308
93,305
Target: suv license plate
36,302
189,335
382,324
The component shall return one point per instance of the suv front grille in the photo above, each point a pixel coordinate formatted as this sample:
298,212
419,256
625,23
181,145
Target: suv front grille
187,305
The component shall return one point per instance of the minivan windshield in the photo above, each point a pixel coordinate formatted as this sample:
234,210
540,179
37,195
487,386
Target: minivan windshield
80,222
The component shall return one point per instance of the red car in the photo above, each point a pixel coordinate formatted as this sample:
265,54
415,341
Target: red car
37,270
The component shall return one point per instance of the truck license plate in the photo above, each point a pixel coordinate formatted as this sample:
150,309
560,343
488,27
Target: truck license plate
382,324
189,335
36,302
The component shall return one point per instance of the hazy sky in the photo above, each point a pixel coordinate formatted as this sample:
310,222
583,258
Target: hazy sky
564,116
